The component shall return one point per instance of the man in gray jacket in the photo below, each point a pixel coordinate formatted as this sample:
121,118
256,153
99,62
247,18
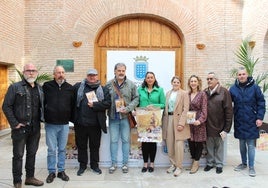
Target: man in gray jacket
125,98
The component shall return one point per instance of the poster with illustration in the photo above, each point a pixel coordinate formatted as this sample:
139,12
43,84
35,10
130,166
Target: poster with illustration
149,124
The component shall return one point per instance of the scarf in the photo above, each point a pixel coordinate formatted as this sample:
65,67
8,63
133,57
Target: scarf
80,92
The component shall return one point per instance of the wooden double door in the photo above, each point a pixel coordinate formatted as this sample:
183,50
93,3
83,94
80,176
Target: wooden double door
138,33
3,89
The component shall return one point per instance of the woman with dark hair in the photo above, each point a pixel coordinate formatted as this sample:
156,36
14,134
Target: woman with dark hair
198,105
150,95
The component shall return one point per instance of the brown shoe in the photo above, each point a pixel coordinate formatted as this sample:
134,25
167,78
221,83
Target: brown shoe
33,181
17,185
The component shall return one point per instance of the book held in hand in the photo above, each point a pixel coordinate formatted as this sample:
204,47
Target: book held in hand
120,104
191,115
91,96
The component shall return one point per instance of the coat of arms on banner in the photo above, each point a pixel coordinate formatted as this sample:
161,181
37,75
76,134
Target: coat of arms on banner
140,67
149,121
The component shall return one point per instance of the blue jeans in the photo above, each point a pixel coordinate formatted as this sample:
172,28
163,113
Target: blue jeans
119,128
247,149
56,140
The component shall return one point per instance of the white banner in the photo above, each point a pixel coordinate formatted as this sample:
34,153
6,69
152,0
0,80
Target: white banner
161,63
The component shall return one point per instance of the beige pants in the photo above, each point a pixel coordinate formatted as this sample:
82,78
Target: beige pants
175,148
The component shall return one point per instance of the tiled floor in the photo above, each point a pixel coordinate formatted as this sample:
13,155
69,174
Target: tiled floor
136,179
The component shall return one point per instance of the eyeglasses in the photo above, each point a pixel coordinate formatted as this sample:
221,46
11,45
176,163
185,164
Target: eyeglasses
31,71
209,79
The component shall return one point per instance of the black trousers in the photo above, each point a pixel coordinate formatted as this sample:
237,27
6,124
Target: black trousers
148,151
196,149
88,137
22,138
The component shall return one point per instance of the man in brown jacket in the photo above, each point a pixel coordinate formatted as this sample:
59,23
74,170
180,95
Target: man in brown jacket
219,122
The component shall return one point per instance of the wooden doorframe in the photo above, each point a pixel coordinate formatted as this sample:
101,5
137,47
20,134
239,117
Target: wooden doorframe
148,33
3,89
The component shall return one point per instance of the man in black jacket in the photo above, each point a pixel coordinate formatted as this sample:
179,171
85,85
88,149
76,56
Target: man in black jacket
91,103
23,108
59,104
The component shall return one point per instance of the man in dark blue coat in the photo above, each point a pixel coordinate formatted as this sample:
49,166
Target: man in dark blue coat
249,110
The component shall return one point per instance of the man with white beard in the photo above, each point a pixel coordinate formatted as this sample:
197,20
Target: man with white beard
23,108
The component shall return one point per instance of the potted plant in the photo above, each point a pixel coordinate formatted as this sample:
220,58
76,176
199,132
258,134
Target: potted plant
41,78
245,59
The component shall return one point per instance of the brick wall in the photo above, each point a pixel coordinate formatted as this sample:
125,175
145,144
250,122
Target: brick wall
50,27
12,34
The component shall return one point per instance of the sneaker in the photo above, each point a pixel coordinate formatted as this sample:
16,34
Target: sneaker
81,171
63,176
50,177
125,169
177,172
96,170
240,167
252,172
171,169
112,169
33,181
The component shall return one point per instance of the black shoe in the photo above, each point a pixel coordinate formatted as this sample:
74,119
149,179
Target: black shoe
144,169
208,168
63,176
150,169
81,171
96,170
218,170
50,177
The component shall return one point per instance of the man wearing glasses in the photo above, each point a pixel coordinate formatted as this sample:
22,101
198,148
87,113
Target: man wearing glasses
23,108
219,121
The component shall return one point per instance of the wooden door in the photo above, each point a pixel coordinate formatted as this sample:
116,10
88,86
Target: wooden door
138,33
3,89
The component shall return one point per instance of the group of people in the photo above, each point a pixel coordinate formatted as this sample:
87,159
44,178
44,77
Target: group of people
57,103
214,109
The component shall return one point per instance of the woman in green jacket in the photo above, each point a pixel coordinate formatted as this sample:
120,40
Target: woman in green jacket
150,95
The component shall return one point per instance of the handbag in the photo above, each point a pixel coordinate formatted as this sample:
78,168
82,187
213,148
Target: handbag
131,119
262,142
